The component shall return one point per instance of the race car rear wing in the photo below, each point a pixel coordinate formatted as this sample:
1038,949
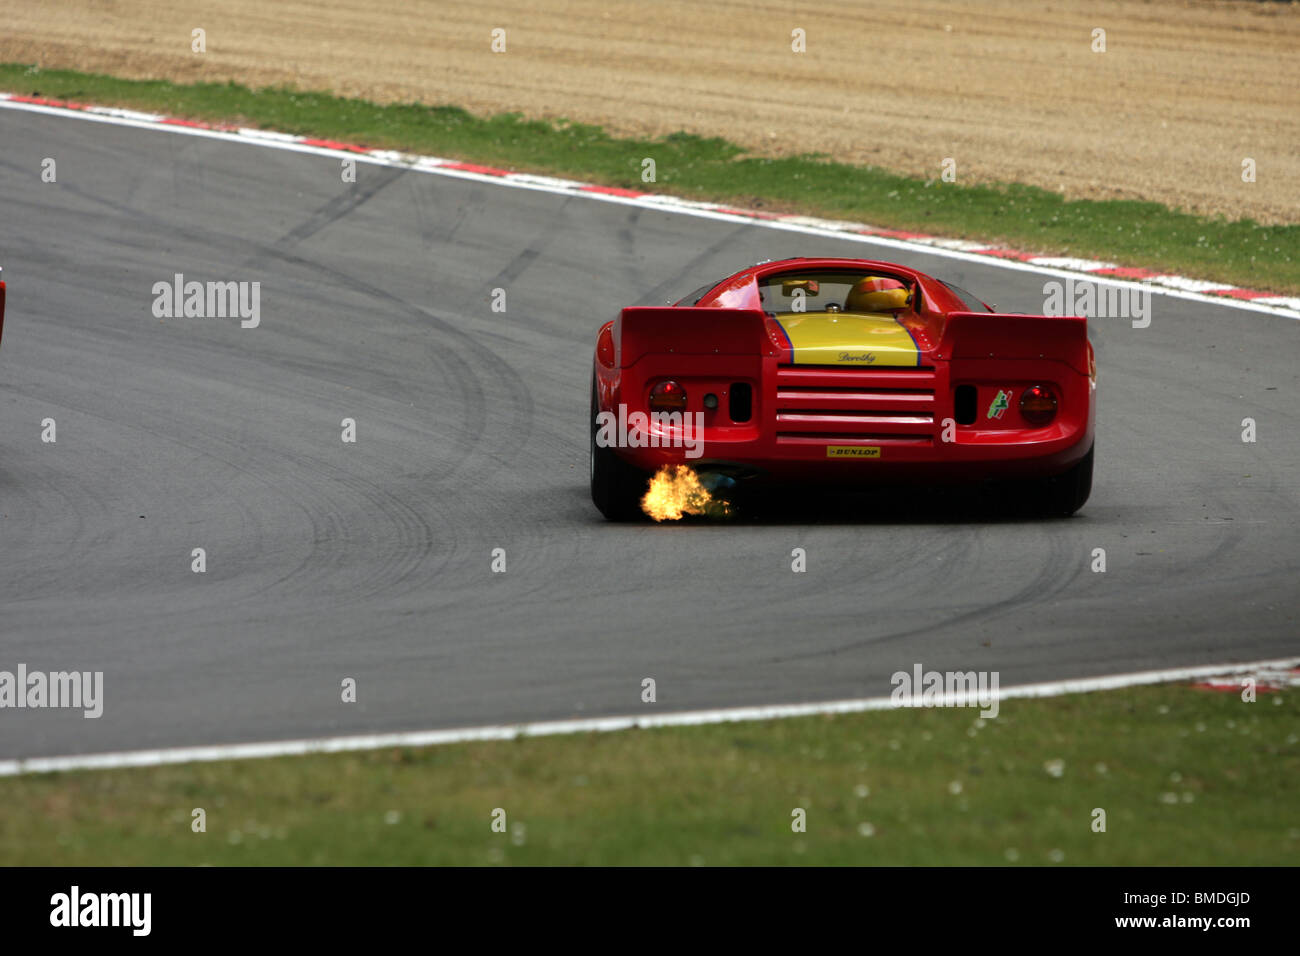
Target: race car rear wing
981,335
966,335
689,331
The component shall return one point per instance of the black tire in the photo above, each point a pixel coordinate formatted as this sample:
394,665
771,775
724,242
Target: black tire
616,487
1064,494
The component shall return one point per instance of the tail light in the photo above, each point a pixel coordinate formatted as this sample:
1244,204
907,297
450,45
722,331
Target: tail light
668,396
1037,405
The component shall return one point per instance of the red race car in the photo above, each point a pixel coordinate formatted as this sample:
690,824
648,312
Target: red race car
846,371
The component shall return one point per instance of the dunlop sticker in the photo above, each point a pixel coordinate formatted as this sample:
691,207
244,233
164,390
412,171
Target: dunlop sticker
852,451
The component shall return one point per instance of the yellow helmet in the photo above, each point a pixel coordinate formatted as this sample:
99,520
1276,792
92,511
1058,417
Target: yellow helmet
877,294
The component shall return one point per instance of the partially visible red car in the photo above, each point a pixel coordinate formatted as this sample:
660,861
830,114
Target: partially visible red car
846,371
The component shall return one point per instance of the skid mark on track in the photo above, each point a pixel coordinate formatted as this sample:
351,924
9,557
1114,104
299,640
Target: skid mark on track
342,205
526,257
693,265
1058,572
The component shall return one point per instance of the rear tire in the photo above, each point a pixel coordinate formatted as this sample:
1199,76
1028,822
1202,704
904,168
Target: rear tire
616,487
1064,494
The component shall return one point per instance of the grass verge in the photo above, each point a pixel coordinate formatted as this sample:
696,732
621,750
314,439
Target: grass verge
1144,234
1185,776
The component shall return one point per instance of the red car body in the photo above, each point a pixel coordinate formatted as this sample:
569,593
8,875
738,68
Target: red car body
953,408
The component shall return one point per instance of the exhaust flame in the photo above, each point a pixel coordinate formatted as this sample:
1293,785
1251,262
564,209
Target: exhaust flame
675,490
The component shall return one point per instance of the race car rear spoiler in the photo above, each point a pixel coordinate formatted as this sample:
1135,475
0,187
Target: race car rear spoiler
689,331
966,335
980,335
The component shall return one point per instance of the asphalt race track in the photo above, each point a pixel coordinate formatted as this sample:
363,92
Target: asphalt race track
371,560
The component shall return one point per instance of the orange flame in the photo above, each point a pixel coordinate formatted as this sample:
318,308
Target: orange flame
675,490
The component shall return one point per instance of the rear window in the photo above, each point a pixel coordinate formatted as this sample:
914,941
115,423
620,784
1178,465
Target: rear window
810,291
695,297
968,301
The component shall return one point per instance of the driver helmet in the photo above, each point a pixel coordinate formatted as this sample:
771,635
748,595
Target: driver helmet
877,294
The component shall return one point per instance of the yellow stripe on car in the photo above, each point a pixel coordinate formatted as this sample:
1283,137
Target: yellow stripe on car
844,338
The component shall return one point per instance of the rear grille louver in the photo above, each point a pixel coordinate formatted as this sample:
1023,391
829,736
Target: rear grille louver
823,404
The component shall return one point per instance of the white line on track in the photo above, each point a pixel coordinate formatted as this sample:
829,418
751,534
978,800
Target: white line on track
1176,287
430,738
